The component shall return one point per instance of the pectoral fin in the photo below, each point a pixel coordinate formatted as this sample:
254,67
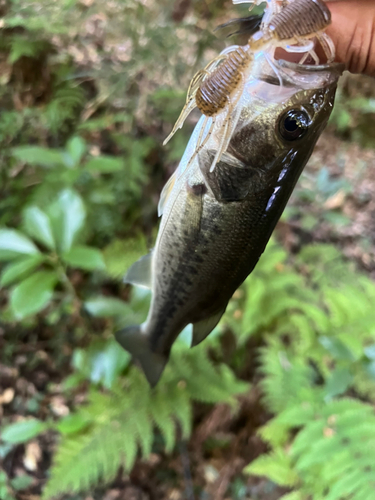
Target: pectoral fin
203,328
140,272
231,180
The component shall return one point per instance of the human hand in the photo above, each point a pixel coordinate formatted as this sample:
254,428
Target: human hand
353,33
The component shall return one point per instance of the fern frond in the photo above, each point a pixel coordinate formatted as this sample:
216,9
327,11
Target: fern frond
286,381
65,104
121,423
336,448
332,457
276,466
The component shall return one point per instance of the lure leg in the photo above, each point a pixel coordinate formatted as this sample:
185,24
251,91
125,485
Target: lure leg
274,7
200,145
196,81
228,50
310,45
234,121
220,150
277,72
231,129
230,124
327,46
311,53
306,46
271,10
186,110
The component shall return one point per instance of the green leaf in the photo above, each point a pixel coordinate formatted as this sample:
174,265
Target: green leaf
83,257
23,431
72,423
21,482
338,383
106,307
336,348
4,450
33,294
67,215
370,369
38,225
21,45
20,269
108,363
14,244
121,254
104,165
370,351
76,148
36,155
101,362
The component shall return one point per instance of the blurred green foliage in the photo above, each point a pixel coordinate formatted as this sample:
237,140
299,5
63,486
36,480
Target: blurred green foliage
87,95
317,355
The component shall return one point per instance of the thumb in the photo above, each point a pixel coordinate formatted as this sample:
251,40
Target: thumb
353,33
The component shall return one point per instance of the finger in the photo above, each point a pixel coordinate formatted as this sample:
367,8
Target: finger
353,33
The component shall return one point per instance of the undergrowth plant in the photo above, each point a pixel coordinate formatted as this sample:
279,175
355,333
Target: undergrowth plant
123,416
111,186
318,379
38,256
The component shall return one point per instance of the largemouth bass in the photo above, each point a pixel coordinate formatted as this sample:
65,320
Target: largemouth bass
215,225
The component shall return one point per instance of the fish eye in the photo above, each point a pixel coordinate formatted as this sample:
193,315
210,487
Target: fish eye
294,124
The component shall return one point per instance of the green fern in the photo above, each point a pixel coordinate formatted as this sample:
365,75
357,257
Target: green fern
276,466
21,45
120,425
287,379
321,446
271,291
332,457
65,104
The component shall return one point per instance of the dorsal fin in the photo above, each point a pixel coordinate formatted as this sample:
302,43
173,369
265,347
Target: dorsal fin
167,189
203,328
140,272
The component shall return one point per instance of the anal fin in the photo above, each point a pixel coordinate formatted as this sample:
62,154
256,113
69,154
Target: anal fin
140,272
203,328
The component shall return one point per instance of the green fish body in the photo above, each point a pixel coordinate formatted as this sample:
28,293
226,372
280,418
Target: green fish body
215,225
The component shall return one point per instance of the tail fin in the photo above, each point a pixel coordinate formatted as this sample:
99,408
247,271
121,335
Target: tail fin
134,341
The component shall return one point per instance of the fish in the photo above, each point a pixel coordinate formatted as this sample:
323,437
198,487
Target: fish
215,225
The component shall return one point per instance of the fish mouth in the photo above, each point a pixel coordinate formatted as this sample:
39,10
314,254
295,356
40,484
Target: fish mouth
304,76
334,67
